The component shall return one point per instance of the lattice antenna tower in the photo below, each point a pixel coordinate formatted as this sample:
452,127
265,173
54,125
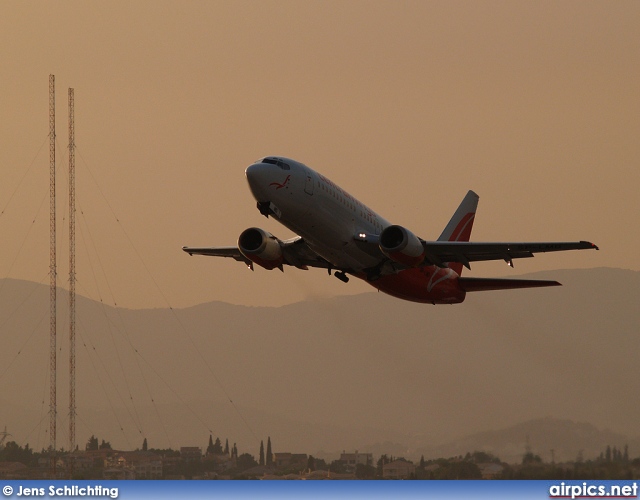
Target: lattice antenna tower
52,271
3,436
72,278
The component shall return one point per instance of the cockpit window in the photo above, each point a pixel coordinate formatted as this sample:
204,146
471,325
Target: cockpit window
278,162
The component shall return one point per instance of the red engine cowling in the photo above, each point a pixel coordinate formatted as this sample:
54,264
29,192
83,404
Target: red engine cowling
261,247
401,245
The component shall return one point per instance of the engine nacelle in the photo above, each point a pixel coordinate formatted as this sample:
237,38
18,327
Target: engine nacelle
401,245
261,247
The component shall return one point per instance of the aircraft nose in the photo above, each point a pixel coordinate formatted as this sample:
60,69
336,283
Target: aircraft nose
252,171
257,177
269,178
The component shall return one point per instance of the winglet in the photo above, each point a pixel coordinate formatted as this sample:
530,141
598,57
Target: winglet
593,245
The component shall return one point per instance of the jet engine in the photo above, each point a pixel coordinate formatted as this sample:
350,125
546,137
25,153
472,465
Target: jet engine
401,245
261,247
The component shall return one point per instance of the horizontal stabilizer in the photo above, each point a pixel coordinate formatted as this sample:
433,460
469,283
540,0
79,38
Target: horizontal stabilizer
481,284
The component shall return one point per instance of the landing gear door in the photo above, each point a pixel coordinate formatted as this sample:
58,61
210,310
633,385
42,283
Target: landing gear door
308,186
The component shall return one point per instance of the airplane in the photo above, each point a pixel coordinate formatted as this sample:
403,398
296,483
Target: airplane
339,233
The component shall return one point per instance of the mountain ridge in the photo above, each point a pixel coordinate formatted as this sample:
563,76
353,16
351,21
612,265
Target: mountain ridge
367,368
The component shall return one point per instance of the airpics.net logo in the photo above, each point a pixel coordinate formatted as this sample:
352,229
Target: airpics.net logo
586,490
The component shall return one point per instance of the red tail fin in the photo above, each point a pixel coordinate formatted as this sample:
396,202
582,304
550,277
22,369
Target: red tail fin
460,225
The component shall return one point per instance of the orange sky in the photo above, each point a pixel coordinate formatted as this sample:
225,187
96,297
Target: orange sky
406,105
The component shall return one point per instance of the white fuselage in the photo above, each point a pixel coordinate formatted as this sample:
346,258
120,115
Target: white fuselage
326,216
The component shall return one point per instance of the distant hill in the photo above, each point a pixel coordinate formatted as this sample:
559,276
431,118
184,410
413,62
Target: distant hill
566,438
335,374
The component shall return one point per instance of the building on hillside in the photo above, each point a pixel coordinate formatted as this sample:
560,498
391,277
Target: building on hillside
398,469
221,461
191,453
490,470
317,475
327,475
281,459
13,470
139,464
79,461
169,461
299,459
118,473
431,468
145,464
353,459
100,457
290,459
258,471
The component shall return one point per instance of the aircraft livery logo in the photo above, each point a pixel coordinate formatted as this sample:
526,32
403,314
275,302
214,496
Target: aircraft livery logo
280,186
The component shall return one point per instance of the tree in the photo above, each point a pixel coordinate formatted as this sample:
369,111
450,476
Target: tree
384,459
320,463
226,447
458,470
529,458
365,471
479,457
234,453
311,463
246,461
144,445
105,445
13,452
92,444
338,467
261,452
217,447
210,447
269,457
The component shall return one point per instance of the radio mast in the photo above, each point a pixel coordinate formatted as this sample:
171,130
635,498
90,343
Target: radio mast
72,279
52,271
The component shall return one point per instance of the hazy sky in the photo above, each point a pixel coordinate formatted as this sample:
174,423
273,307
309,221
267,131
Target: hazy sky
406,105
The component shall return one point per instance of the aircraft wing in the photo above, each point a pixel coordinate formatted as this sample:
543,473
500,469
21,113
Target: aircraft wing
296,253
439,252
232,252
